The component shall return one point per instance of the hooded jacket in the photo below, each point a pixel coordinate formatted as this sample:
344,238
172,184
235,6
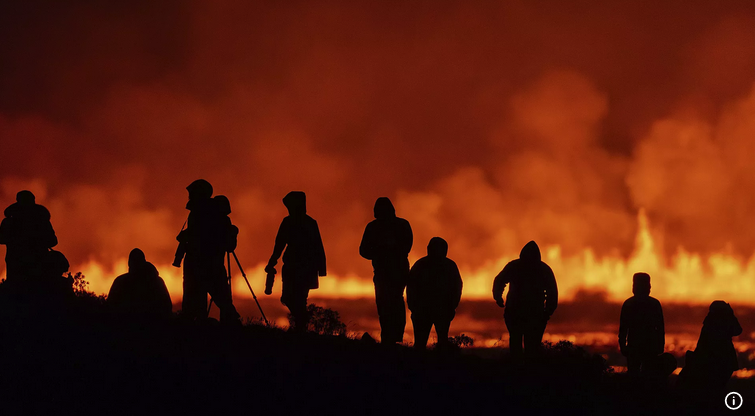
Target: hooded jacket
434,286
387,240
299,235
26,229
141,293
715,348
532,292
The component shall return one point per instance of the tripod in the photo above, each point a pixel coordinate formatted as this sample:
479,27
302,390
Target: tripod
241,269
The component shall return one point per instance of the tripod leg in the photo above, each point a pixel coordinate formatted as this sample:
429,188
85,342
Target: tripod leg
238,263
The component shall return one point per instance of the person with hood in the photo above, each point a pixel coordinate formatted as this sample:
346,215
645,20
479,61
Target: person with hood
530,302
141,293
27,232
433,293
303,260
387,241
641,330
710,366
205,241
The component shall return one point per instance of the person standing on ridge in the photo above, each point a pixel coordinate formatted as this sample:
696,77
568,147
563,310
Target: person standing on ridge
303,261
433,293
641,330
387,241
205,242
530,302
27,232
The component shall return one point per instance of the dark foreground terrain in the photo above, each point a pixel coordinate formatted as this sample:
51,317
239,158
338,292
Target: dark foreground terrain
72,359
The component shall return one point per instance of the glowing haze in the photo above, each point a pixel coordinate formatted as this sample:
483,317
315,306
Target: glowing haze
616,135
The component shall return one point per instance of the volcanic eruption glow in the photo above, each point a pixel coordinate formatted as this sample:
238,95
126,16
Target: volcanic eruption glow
617,136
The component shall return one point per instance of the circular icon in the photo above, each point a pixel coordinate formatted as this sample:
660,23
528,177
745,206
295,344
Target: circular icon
733,400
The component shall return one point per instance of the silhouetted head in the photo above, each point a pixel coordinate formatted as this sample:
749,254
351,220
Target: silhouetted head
641,284
199,189
719,308
530,252
437,247
224,205
25,198
296,202
136,259
384,208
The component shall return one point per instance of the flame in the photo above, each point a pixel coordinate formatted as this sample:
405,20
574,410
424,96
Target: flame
684,277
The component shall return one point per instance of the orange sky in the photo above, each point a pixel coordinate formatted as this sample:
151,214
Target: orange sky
488,124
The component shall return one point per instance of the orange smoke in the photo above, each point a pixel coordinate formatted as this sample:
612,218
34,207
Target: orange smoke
489,124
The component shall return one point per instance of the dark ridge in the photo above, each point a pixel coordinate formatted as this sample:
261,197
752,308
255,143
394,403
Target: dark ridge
72,358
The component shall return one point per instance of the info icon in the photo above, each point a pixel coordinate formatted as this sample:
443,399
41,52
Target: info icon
733,400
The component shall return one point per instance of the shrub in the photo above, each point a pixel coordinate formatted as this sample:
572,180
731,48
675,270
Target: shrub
461,341
324,321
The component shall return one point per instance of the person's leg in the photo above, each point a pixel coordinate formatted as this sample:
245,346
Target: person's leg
295,300
533,337
398,312
382,299
442,326
422,327
217,286
633,364
194,303
301,314
389,298
515,337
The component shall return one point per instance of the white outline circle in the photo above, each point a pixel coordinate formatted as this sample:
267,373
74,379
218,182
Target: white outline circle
726,400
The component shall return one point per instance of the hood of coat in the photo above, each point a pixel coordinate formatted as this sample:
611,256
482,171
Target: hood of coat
296,202
530,252
384,208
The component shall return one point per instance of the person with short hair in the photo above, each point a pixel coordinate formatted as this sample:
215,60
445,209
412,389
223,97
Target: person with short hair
641,328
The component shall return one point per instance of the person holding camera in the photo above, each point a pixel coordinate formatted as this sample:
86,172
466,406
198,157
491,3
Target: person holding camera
303,261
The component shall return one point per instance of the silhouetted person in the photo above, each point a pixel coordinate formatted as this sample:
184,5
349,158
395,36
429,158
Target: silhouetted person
209,234
710,366
141,293
387,241
530,302
641,330
303,261
433,293
28,234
